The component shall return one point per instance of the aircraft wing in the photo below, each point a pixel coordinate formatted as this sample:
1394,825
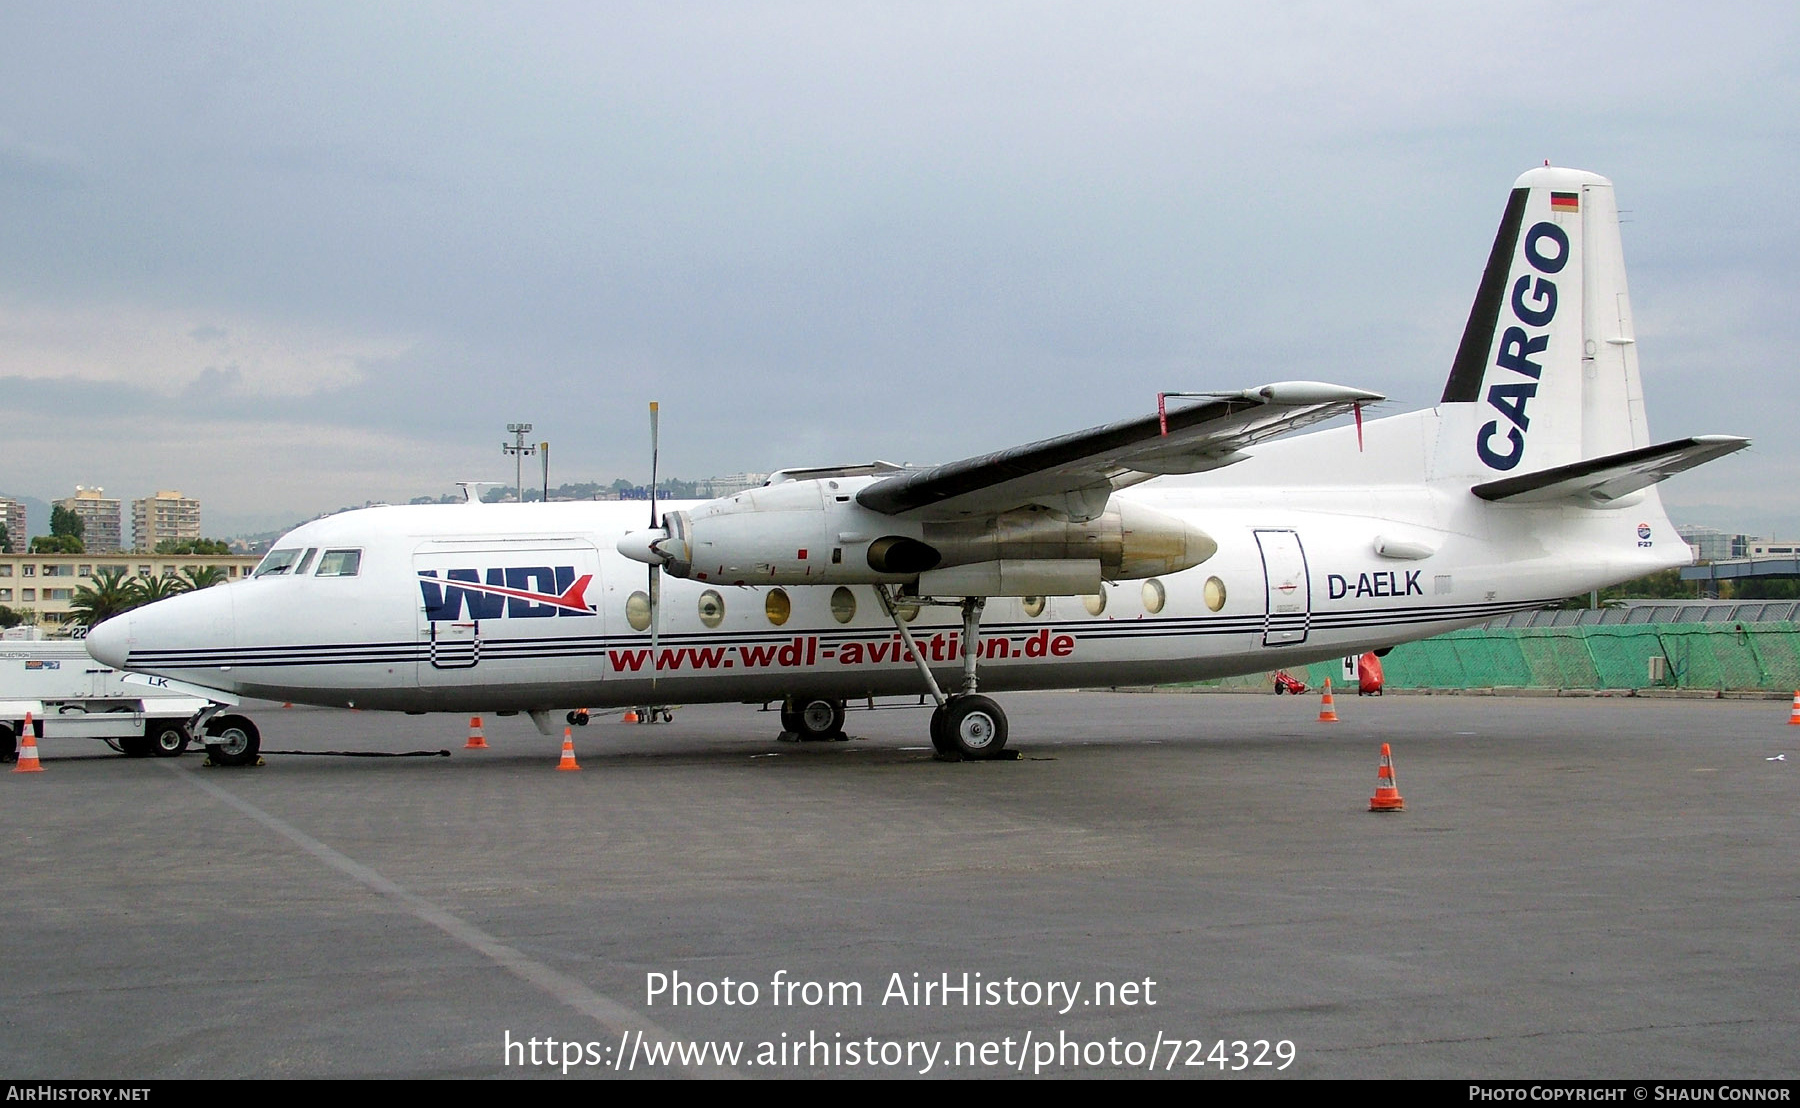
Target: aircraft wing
1076,472
1600,480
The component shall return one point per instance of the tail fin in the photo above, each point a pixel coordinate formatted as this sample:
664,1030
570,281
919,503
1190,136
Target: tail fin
1548,362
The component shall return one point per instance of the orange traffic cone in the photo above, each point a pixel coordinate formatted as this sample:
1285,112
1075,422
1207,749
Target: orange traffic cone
568,758
631,715
1387,795
28,755
1794,716
477,737
1327,708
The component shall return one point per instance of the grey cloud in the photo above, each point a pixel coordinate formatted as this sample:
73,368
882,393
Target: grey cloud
828,232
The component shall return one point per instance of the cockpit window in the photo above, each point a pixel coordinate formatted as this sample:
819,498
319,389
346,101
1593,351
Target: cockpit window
305,560
340,563
278,561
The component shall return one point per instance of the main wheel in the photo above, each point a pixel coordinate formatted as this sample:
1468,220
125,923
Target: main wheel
168,737
816,720
9,744
232,741
974,727
939,741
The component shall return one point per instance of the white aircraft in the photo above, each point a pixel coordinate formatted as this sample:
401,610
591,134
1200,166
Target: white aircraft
1172,547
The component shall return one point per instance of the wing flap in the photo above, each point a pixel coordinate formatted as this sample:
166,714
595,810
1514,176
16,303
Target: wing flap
1082,466
1599,481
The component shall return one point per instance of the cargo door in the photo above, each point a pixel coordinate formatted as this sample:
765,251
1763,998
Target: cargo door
500,612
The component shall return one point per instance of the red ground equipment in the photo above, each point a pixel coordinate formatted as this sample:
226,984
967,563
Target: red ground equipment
1285,682
1368,675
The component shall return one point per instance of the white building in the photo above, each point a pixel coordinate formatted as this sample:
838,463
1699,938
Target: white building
167,515
102,526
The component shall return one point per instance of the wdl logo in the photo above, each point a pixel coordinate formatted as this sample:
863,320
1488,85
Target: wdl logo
512,592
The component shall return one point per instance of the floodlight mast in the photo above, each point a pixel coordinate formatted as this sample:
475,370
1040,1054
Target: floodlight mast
518,449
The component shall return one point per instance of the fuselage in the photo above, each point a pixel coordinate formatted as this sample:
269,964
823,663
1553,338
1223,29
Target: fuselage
1325,548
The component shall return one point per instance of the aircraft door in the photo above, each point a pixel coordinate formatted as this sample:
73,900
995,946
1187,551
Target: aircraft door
1288,612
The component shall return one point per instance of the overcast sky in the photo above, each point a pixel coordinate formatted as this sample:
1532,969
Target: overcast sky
290,257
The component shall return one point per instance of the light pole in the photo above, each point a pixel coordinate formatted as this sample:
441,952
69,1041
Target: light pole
518,449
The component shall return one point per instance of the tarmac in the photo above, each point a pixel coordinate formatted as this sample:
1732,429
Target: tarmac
1578,888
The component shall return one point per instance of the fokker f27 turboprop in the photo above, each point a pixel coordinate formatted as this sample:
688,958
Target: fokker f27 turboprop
1172,547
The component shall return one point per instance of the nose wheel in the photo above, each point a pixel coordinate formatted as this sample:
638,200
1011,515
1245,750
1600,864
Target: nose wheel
232,741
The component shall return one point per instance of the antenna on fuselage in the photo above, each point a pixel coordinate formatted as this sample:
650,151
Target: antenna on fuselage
471,490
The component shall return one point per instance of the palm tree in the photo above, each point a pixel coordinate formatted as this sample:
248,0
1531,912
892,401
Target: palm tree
111,593
203,577
152,589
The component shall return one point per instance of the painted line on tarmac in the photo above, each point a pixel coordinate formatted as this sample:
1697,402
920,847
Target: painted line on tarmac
609,1013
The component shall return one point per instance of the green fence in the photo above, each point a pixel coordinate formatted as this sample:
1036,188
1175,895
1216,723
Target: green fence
1695,656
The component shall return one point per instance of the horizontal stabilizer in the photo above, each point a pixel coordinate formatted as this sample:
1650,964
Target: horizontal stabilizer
1599,481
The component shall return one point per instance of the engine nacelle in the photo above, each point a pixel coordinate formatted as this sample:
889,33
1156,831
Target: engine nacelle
813,532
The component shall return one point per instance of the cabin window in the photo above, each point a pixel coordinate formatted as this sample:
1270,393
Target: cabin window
337,563
1155,596
712,608
305,561
1034,606
637,611
1095,603
1215,593
778,607
843,604
277,562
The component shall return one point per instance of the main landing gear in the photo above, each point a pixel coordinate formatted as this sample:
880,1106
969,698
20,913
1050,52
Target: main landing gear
813,720
965,724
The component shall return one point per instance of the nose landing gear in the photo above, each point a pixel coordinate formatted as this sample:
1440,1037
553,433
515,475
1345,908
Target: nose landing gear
232,740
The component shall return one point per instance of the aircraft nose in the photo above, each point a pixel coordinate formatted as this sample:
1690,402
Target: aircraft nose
110,642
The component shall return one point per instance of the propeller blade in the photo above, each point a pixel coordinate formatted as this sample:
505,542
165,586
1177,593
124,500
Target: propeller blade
654,587
655,590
